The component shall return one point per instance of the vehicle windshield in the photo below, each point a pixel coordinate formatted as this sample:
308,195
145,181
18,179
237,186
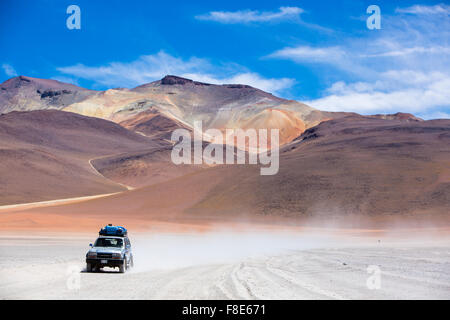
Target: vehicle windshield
109,242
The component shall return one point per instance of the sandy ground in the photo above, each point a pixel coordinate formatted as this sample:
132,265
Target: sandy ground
230,265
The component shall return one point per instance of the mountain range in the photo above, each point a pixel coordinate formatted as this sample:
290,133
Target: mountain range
59,141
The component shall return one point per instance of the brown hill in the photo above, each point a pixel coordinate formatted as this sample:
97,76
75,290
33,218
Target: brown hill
229,106
152,123
25,93
44,155
397,116
143,168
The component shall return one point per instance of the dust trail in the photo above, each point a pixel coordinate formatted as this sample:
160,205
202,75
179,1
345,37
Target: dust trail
171,251
232,265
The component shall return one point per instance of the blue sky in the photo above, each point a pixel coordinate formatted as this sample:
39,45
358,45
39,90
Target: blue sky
319,52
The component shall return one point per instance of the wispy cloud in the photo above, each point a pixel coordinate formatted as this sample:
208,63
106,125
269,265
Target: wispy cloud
309,54
426,10
248,16
337,56
352,57
9,70
149,68
412,50
334,55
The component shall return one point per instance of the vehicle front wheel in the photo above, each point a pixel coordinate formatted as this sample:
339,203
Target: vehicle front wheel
131,262
88,267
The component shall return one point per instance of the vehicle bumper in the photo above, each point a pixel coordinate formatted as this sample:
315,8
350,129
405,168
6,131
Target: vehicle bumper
109,262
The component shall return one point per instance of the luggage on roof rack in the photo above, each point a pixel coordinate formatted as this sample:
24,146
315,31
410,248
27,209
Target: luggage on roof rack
111,230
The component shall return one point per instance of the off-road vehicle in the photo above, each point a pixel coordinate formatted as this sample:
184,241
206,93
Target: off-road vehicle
111,249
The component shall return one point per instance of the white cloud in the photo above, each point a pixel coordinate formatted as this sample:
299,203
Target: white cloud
426,10
407,91
9,70
248,16
310,54
149,68
337,56
411,77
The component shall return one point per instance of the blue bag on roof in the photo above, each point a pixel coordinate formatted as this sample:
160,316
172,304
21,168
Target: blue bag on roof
111,230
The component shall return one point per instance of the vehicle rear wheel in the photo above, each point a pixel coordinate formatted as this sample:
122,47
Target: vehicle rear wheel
88,267
123,266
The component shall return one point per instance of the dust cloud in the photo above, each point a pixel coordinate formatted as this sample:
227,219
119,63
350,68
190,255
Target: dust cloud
178,250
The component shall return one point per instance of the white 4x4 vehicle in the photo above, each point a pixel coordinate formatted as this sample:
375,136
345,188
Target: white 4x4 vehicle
110,251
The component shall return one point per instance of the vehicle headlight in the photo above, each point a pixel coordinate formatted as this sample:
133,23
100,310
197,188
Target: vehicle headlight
92,254
117,255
